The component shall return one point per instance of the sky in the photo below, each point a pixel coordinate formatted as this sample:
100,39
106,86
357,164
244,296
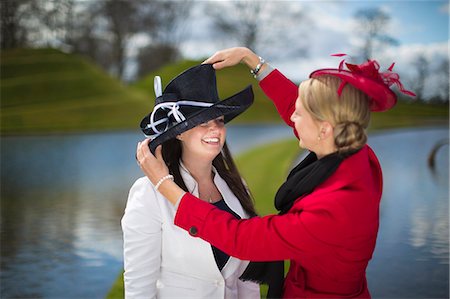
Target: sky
415,21
420,26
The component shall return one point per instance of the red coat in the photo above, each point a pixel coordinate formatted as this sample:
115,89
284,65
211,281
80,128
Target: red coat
328,236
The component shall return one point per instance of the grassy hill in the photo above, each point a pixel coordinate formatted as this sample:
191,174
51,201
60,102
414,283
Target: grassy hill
47,91
411,114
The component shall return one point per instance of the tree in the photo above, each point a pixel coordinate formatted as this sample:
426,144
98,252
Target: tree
100,30
13,30
116,22
421,65
152,57
372,24
88,38
167,20
121,22
242,24
252,24
442,74
36,23
51,23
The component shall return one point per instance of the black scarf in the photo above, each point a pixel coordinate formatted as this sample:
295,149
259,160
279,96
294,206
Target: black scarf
302,180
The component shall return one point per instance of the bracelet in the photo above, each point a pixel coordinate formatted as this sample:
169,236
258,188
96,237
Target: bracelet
258,67
265,72
169,176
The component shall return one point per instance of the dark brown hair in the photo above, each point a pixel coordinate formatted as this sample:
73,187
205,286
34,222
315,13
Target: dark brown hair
224,164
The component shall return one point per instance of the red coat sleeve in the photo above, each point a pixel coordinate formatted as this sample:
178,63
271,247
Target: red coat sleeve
275,237
283,93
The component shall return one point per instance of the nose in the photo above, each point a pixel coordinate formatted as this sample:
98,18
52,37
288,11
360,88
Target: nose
215,123
292,117
212,127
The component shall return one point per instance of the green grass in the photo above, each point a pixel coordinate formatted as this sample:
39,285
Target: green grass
273,162
410,114
117,291
48,91
274,159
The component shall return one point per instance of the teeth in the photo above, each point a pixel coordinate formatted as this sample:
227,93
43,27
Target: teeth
211,140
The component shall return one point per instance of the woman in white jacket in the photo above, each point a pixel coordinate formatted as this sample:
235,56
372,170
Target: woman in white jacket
160,259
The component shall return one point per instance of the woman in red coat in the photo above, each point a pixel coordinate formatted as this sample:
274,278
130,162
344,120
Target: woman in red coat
329,204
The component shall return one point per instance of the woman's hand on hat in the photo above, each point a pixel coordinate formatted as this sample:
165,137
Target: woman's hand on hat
156,170
153,166
232,56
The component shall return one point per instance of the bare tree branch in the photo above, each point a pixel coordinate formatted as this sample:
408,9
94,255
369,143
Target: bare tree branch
442,72
14,29
167,20
421,65
372,24
264,26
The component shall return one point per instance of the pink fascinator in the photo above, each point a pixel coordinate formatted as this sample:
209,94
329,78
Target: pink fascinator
367,78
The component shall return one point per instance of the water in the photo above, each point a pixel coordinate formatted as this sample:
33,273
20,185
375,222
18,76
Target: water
411,259
62,199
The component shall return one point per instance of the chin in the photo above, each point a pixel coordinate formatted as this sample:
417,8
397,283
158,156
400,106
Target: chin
300,143
215,152
212,152
302,146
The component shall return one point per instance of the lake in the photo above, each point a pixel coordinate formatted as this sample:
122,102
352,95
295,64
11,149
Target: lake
62,198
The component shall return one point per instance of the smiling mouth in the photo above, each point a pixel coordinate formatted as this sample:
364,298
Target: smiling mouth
212,140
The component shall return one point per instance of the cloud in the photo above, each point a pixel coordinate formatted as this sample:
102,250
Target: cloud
444,8
434,52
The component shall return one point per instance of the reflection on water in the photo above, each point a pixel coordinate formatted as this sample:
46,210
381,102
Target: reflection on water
62,199
411,257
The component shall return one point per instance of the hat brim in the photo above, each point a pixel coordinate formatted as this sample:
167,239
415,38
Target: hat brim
229,108
381,97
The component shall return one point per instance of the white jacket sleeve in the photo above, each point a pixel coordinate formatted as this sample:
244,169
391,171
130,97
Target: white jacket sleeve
141,226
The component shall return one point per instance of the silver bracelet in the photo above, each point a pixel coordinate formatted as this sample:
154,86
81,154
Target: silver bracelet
265,72
258,67
169,176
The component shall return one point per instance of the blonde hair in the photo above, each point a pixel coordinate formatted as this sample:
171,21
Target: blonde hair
349,113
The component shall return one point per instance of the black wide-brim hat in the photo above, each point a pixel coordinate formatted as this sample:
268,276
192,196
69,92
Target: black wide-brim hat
189,100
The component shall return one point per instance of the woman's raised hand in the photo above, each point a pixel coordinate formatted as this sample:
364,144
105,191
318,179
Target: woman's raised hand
153,166
157,172
232,56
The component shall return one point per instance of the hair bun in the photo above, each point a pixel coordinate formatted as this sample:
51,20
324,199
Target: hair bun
349,136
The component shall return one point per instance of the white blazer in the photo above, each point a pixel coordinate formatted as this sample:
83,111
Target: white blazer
162,260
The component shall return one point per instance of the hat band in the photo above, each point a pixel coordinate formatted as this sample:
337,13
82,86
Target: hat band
173,109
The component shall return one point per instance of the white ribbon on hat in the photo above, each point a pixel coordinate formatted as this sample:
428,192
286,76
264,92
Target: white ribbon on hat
174,109
157,86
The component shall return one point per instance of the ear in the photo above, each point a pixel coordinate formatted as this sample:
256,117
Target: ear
179,137
326,130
